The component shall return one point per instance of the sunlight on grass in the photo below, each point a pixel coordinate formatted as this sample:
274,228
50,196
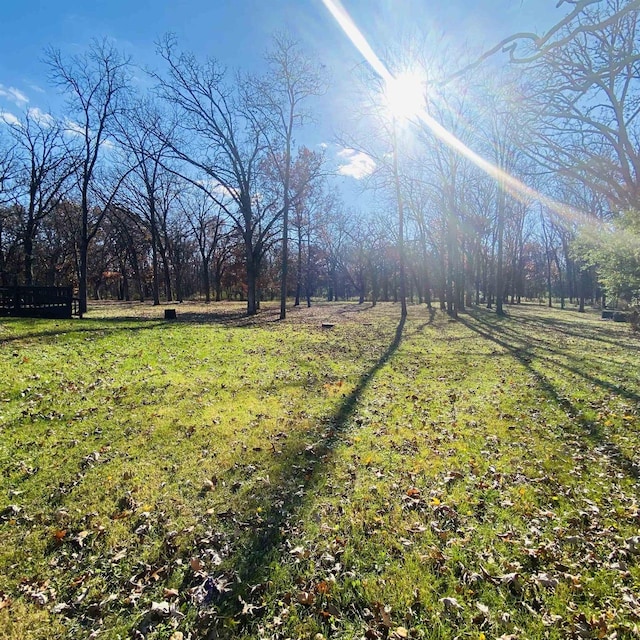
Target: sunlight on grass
275,479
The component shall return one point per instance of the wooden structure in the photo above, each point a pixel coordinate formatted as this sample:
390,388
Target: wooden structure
38,302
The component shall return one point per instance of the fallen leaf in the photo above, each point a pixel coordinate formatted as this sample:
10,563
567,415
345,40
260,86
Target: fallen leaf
451,604
160,608
306,597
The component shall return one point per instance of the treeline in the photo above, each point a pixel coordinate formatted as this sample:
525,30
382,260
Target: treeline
198,189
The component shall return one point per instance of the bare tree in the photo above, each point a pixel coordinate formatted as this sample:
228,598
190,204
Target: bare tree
96,84
585,97
7,169
278,102
216,135
309,201
151,188
46,164
208,224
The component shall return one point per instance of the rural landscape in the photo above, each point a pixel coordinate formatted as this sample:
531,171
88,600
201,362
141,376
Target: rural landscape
261,379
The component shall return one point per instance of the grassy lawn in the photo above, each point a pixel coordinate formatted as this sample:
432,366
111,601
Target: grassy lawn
219,477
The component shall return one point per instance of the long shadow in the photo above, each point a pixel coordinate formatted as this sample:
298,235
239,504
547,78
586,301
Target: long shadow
301,470
589,428
356,308
85,325
432,316
529,346
569,329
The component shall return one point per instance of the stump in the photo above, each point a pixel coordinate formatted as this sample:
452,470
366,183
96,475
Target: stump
328,325
169,314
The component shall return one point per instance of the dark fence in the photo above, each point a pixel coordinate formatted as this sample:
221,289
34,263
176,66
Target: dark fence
38,302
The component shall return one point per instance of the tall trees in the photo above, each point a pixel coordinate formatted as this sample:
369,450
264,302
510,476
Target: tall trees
150,188
7,168
8,238
46,164
95,83
584,95
208,225
216,135
232,138
278,102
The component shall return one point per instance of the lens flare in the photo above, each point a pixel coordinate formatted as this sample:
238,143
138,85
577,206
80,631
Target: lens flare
516,188
404,95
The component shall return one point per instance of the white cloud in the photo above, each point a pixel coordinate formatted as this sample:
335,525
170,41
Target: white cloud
36,88
73,128
9,118
42,118
13,95
323,145
216,189
355,164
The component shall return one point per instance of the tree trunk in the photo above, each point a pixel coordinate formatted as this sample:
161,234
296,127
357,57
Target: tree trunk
403,293
28,257
500,260
205,280
285,257
252,284
549,278
156,275
583,288
82,280
299,271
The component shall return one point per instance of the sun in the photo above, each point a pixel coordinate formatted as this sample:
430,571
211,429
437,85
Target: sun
404,95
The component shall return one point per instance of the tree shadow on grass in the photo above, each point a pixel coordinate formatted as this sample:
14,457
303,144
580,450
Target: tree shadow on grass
233,317
527,341
85,326
357,308
597,332
299,472
432,315
43,328
523,351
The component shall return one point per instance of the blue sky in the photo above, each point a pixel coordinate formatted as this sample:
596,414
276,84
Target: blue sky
237,33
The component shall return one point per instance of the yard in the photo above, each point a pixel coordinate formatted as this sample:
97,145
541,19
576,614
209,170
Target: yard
217,476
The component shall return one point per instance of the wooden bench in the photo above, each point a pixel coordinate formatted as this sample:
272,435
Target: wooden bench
38,302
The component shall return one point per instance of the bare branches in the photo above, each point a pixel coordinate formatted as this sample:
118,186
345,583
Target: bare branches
528,47
584,100
96,84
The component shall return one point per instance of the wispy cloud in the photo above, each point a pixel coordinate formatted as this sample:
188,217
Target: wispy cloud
13,95
36,88
355,164
9,118
72,128
42,118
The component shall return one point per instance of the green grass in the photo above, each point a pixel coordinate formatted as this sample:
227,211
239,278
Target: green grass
217,476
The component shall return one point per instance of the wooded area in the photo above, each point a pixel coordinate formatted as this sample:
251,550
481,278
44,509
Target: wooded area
465,467
197,188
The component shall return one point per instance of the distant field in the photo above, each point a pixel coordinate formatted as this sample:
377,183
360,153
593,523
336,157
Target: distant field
218,476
